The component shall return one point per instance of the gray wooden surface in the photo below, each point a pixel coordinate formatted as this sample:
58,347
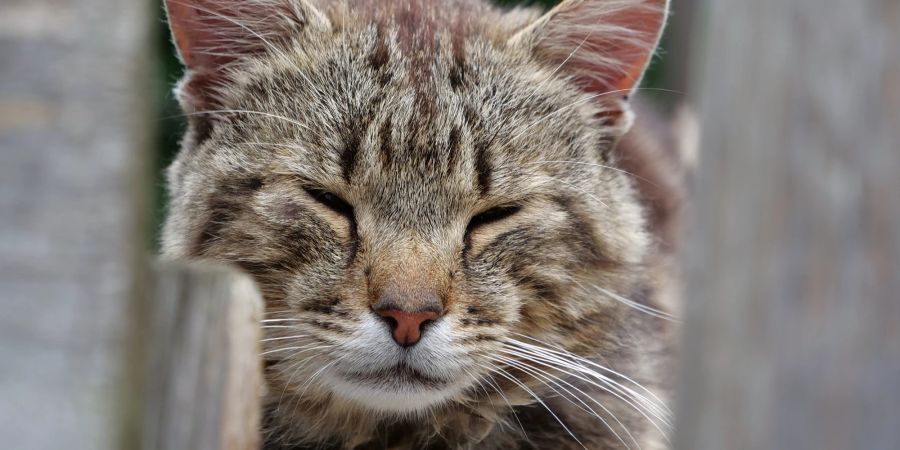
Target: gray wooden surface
793,288
73,143
205,375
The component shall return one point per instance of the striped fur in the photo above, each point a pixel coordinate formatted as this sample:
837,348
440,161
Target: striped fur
341,149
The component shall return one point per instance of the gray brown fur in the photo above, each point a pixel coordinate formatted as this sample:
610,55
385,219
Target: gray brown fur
421,115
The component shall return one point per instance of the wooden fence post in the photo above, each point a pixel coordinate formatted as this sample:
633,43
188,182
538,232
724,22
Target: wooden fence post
94,353
793,287
205,374
74,122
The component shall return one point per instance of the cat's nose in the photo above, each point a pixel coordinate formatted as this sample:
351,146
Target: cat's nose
407,324
406,327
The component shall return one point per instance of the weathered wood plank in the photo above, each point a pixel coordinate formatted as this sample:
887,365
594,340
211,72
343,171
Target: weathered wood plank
73,143
793,288
205,377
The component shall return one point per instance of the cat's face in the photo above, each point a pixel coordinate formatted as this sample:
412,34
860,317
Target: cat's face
407,214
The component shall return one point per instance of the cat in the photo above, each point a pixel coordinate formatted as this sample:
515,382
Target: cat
453,250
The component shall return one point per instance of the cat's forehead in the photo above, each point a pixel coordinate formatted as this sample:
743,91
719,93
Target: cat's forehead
369,104
418,135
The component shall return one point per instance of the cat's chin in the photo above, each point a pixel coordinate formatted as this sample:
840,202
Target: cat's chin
402,393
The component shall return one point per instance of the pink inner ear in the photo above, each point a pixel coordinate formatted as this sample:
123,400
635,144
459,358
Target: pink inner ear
646,23
198,33
614,39
213,33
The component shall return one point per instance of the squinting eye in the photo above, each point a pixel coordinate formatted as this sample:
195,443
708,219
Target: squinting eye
492,215
330,201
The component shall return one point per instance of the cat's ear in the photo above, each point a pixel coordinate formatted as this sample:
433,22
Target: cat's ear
604,44
211,34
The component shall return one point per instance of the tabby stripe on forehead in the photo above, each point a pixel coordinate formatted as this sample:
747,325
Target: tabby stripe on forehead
459,70
453,142
356,128
483,168
348,156
482,164
380,55
384,143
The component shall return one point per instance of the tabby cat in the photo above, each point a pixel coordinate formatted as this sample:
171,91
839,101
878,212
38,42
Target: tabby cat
456,246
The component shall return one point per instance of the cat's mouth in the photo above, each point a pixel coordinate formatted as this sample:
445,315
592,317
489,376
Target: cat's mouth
399,375
398,388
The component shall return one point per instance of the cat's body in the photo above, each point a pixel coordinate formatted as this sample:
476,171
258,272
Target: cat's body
429,197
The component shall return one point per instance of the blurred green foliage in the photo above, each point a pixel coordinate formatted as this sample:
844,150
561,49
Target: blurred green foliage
171,124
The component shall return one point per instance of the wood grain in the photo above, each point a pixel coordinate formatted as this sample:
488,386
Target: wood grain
793,287
205,377
74,143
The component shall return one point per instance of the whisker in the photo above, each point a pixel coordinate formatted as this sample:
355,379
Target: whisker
585,163
505,374
305,349
641,407
490,381
243,111
546,377
564,352
283,338
270,144
660,412
561,110
296,368
643,308
583,191
560,66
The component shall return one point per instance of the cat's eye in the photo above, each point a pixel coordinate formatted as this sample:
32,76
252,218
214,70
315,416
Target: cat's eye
330,201
492,215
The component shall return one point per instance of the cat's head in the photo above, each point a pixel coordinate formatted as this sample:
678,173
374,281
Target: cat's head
414,185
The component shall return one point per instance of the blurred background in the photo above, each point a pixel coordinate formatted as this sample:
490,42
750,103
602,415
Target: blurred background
791,263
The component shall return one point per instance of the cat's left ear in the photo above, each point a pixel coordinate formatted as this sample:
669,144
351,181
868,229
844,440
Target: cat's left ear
605,45
212,34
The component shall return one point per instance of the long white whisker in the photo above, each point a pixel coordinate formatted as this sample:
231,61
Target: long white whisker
585,163
558,67
658,410
528,390
640,404
296,368
560,351
246,111
546,377
642,407
583,192
283,338
305,349
310,379
643,308
493,384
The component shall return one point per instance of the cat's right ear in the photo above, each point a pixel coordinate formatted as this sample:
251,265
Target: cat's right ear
604,46
211,35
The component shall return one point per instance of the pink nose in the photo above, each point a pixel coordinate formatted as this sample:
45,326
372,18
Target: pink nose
406,327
